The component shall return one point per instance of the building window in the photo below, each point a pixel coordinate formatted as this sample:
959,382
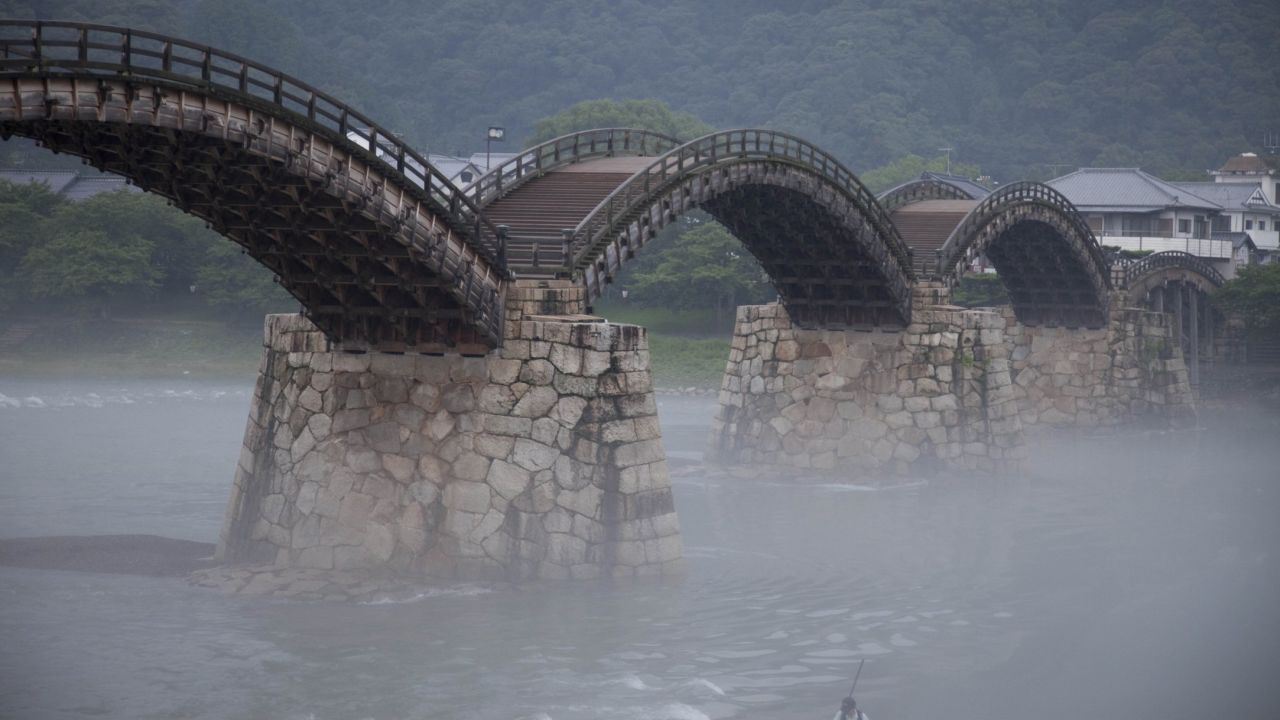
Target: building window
1262,224
1248,224
1184,226
466,176
1221,223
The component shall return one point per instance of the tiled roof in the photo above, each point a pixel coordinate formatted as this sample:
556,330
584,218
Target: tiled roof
1251,163
1125,190
57,180
1237,238
1232,196
69,183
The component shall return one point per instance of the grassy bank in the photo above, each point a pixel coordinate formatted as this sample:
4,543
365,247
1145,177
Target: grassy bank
133,348
685,348
688,348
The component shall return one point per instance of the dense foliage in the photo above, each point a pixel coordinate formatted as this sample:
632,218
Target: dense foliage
1026,90
646,114
1253,296
121,249
697,264
980,290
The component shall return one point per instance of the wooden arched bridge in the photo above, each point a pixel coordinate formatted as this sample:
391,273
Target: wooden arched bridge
383,252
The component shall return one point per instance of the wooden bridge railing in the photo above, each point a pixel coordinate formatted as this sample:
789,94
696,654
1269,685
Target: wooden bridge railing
953,251
1131,270
917,190
115,53
621,206
565,150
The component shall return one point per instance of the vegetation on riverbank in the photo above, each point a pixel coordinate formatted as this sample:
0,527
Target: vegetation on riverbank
133,348
169,347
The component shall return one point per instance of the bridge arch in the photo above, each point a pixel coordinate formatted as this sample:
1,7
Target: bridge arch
1141,276
381,250
849,268
1043,251
927,187
1179,285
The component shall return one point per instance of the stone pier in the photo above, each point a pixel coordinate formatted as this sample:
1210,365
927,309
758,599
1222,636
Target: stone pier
937,395
542,459
1130,371
957,389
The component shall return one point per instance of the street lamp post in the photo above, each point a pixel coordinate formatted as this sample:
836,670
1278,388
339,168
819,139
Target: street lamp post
495,133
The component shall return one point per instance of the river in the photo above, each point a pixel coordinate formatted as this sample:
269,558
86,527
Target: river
1124,575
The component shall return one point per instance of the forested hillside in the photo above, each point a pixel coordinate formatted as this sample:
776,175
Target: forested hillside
1015,87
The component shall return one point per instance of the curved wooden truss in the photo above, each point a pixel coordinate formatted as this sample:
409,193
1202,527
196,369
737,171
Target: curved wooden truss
1049,260
923,189
1138,277
381,250
830,249
565,150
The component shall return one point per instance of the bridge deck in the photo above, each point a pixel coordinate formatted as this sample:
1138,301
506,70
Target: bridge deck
927,224
539,211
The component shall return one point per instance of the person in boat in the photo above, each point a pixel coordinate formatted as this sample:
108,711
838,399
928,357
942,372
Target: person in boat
849,710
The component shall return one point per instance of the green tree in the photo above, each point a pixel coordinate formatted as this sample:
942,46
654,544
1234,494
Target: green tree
23,210
652,115
1253,295
908,168
88,265
704,267
178,241
238,285
980,290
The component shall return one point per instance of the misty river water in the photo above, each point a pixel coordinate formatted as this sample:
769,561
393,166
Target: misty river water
1124,575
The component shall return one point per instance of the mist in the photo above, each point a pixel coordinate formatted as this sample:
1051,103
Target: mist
1125,574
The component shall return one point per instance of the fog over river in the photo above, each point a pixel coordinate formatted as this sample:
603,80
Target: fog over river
1122,576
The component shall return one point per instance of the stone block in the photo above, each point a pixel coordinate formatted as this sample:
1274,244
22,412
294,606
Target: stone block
534,456
507,480
458,398
471,466
467,498
536,402
347,420
497,399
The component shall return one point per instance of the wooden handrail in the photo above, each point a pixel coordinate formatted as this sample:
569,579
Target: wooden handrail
106,51
1134,269
1021,193
565,150
722,148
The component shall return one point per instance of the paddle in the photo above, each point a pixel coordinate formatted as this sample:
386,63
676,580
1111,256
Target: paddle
858,675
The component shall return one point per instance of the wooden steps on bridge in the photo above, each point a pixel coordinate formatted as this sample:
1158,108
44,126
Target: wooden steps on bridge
15,335
539,211
926,225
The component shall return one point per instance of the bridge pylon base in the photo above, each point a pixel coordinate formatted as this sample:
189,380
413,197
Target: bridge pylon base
542,459
957,390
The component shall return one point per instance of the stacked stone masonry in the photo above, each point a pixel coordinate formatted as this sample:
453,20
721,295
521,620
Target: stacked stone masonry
1130,370
939,393
957,389
539,460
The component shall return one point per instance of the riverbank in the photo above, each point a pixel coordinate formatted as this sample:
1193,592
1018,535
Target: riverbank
129,348
686,357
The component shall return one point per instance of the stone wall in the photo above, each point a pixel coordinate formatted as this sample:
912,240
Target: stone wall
542,459
956,389
937,395
1128,371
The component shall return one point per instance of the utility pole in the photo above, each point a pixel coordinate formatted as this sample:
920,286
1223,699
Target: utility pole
1053,168
495,133
947,150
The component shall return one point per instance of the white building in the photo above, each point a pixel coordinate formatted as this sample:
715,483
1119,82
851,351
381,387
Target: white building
1134,210
1245,209
1252,169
